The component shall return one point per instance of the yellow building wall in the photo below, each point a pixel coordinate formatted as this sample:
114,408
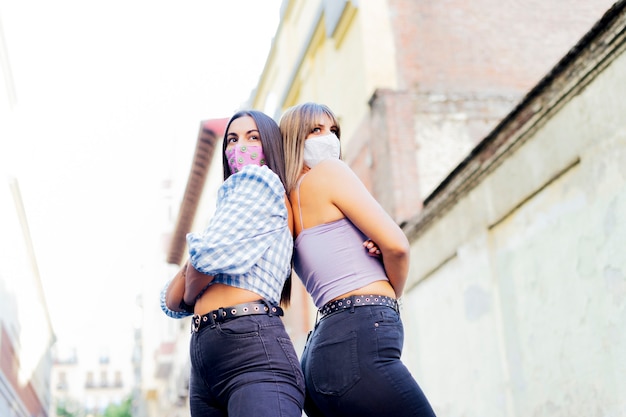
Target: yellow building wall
340,69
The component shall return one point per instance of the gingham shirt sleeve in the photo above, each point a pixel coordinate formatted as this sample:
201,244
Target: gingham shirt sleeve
171,313
250,214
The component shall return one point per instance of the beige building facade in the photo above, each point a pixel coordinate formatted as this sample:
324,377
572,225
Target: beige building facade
495,137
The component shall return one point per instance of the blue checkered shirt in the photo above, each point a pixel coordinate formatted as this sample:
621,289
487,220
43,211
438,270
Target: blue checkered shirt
247,243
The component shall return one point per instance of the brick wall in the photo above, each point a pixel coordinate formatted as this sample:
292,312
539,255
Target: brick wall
485,45
462,66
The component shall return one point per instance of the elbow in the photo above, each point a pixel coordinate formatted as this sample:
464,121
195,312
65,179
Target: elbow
398,255
400,249
169,304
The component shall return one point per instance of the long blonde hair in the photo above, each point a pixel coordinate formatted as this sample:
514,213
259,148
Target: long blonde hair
295,125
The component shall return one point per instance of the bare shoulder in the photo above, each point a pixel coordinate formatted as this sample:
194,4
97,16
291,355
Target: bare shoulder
335,181
329,178
334,169
321,189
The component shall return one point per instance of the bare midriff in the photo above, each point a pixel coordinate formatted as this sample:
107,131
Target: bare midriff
220,295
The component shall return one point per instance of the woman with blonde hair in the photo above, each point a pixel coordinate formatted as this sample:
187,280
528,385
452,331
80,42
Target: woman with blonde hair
351,361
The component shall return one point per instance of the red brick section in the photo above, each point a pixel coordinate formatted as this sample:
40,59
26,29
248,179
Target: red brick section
9,367
394,148
485,45
359,155
382,153
208,138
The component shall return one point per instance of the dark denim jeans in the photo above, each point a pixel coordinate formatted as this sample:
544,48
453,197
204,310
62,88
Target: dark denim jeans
245,367
352,367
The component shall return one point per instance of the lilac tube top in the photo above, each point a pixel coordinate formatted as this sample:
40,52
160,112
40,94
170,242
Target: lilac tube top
330,260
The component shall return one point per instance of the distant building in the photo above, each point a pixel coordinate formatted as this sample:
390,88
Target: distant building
89,382
26,335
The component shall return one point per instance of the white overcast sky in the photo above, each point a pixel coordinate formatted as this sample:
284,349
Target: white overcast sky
109,98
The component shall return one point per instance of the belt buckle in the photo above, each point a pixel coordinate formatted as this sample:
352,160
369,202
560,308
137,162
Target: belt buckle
195,323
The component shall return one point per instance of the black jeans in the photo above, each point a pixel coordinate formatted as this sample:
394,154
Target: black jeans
352,367
245,367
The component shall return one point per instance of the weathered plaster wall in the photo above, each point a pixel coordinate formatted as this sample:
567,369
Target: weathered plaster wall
517,297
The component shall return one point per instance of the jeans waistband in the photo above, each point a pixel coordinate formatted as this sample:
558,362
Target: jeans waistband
358,301
227,313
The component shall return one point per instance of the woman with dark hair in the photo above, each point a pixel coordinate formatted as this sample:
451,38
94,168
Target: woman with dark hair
242,360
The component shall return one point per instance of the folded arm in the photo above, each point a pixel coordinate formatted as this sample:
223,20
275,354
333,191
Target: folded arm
195,281
176,291
351,197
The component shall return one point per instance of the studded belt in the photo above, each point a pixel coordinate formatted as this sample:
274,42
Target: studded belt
358,301
227,313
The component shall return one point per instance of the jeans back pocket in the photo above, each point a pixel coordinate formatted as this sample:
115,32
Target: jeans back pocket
334,363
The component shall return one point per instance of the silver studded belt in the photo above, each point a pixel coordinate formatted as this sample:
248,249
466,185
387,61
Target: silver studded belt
358,301
227,313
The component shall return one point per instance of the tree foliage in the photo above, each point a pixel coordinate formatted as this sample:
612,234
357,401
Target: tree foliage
73,409
69,408
120,410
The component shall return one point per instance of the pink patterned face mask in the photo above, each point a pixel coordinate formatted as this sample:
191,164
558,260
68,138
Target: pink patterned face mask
241,155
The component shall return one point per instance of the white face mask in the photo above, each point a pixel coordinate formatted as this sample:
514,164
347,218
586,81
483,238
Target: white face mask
319,148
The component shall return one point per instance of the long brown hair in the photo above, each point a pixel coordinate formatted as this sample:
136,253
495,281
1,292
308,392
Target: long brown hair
272,143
